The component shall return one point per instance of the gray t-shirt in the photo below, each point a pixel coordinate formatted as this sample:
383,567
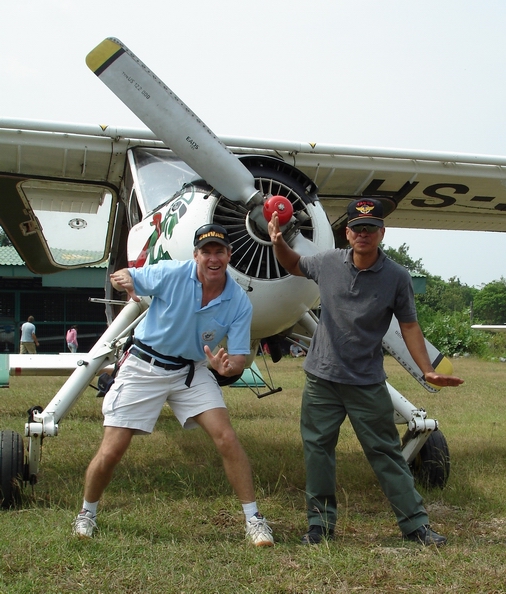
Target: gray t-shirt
356,311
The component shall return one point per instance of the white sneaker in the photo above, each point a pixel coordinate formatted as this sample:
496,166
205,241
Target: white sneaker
259,532
84,525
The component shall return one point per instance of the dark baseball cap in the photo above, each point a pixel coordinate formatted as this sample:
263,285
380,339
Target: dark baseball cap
365,211
211,233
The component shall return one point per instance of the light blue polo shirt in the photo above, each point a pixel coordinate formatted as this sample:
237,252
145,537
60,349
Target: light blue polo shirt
176,323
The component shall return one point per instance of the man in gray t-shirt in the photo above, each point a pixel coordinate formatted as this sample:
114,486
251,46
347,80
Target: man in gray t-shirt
360,290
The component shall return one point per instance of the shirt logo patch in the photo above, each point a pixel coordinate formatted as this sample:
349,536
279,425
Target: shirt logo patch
208,335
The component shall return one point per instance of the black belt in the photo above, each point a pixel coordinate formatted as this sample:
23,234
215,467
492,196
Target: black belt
136,352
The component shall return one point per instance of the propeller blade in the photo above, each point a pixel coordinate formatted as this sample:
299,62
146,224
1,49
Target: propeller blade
171,120
303,246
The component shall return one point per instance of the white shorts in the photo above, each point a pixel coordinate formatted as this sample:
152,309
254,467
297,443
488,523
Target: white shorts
140,390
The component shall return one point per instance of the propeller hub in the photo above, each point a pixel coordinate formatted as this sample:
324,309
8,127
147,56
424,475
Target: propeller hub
278,204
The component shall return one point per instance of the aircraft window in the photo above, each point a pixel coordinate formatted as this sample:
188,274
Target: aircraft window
75,219
158,174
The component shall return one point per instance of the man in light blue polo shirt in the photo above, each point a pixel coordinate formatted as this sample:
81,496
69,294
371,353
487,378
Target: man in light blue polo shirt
195,305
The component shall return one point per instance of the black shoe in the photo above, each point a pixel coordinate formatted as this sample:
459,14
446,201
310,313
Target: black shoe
425,536
316,534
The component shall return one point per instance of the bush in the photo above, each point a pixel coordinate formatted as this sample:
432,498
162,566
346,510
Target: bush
496,344
452,334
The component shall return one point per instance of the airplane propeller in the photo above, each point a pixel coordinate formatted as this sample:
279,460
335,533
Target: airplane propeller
172,121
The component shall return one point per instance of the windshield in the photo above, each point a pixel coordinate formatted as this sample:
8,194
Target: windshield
158,174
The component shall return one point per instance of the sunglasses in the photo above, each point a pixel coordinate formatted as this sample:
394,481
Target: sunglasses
367,228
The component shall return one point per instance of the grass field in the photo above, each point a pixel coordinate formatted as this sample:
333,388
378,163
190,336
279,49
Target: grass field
169,522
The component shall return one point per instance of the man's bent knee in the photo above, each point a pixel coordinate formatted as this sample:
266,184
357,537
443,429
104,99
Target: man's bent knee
226,441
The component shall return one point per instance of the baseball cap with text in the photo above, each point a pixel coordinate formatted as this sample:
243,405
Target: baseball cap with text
365,211
211,233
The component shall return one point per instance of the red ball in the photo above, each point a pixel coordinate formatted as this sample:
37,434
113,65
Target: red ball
278,204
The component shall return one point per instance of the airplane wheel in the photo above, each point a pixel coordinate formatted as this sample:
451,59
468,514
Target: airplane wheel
11,468
431,467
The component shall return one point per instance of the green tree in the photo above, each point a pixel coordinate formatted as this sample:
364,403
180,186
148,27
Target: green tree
451,296
444,309
402,257
439,295
490,303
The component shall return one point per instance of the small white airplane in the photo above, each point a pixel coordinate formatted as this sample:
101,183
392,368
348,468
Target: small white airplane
72,195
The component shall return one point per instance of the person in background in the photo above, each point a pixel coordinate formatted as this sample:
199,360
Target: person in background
360,290
71,339
195,305
296,350
28,338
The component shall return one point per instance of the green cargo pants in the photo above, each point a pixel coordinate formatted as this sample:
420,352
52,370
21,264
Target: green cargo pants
325,405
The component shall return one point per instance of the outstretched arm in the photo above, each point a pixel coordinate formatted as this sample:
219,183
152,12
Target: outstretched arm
413,337
287,257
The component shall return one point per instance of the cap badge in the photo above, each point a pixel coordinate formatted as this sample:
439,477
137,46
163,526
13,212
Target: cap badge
365,208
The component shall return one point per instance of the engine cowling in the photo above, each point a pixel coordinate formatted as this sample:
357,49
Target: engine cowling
279,299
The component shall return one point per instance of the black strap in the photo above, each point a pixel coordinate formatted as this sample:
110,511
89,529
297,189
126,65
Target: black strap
191,373
177,360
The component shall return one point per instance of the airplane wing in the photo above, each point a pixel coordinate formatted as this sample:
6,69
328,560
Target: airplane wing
426,190
73,172
490,327
59,183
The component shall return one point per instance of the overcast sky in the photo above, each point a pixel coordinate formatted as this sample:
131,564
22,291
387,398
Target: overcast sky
392,73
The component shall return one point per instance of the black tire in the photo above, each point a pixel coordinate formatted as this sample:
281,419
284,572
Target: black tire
431,467
11,468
